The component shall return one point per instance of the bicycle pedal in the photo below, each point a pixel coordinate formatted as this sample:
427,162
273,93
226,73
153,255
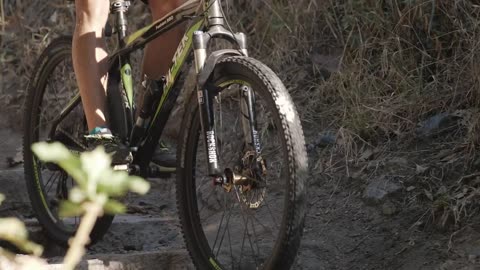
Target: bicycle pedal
156,171
121,167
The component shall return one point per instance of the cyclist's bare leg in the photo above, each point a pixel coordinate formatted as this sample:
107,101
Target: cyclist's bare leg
157,59
159,53
89,54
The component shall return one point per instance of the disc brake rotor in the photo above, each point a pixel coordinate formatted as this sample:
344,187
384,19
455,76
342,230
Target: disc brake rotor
248,180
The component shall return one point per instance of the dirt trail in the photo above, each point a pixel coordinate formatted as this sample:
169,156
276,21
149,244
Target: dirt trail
342,230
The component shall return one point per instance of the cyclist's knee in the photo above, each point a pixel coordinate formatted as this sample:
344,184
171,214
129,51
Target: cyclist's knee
92,14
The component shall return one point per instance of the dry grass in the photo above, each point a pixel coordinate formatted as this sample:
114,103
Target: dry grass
371,70
400,62
29,27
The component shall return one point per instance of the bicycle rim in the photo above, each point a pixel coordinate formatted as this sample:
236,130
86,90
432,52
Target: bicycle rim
240,226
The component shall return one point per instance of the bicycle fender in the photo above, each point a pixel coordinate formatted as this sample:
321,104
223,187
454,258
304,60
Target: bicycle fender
211,62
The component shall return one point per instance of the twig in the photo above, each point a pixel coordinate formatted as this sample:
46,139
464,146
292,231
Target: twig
82,237
278,15
358,244
465,177
2,15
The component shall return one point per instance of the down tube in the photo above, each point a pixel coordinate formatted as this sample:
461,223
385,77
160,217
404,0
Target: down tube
171,91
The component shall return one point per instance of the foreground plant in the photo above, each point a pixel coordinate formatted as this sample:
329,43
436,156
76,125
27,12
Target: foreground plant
91,197
14,231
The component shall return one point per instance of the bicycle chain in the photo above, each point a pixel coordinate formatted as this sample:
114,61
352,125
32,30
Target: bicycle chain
75,140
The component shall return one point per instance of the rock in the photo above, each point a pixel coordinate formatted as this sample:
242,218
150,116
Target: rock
420,169
324,139
379,189
449,265
366,155
476,163
428,194
443,190
438,123
326,64
171,259
133,247
16,160
398,161
358,175
373,165
389,209
410,188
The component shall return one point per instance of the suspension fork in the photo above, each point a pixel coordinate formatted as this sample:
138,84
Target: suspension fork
205,101
215,22
205,94
249,119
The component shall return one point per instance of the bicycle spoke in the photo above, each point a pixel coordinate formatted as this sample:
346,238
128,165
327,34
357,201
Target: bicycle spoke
231,249
256,238
226,227
271,214
245,221
270,152
205,203
51,185
219,226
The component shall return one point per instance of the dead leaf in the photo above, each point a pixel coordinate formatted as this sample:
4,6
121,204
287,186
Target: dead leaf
420,169
428,194
366,155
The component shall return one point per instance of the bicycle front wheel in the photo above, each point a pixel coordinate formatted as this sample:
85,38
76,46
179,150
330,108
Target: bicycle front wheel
54,113
256,223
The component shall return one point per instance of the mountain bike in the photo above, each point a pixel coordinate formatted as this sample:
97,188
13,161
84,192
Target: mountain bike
241,157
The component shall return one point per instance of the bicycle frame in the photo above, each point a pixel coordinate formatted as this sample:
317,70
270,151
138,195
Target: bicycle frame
197,37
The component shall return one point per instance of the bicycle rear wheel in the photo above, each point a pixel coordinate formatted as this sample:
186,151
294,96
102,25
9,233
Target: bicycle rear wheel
258,223
51,90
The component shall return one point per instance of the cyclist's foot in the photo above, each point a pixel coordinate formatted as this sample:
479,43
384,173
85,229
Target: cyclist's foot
119,152
164,159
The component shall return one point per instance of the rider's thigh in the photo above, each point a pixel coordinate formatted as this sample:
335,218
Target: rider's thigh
160,8
92,13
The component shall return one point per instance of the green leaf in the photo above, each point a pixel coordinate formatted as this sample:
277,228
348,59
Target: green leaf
15,232
74,168
114,207
138,185
51,152
114,184
95,163
28,246
76,195
70,209
2,198
12,228
59,154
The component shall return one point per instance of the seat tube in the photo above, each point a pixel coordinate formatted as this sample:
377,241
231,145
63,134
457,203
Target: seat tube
119,8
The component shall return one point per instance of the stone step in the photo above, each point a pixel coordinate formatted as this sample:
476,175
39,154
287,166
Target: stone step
147,238
166,260
128,233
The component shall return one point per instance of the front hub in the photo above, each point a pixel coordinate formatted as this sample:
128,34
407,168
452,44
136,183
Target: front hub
248,180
